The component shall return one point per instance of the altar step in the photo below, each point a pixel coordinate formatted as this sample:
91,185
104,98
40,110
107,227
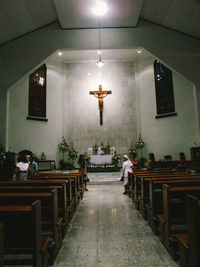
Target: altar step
104,183
104,178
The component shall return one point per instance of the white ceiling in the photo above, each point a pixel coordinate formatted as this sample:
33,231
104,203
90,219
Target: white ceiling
126,55
19,17
180,15
78,14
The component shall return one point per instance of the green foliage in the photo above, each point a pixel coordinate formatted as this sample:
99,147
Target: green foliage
43,156
140,143
66,165
116,156
72,153
63,146
132,149
197,144
87,157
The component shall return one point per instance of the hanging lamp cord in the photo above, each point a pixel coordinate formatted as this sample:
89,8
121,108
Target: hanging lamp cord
100,35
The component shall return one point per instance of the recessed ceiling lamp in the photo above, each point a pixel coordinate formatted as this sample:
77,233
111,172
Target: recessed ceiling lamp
60,53
100,9
139,51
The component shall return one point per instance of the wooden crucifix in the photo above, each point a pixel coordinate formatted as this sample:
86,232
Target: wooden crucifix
100,95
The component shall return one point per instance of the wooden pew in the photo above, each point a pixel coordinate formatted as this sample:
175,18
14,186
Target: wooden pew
48,182
62,200
135,180
143,199
74,180
1,245
137,193
22,234
189,242
155,204
77,175
145,184
174,214
51,223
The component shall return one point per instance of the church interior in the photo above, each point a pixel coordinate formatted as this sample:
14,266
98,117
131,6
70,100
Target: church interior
100,74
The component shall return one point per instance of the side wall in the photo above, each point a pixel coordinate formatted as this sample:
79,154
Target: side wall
36,136
171,135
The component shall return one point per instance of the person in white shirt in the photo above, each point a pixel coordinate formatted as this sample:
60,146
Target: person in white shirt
22,168
127,167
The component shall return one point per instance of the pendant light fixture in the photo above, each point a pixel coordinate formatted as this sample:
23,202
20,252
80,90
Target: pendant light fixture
100,9
100,63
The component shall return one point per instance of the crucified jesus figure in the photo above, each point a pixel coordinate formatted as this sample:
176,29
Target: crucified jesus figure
100,95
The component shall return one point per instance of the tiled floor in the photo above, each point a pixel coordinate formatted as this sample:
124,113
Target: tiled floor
108,231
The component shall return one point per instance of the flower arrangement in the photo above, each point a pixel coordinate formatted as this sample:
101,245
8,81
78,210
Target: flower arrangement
132,149
116,156
140,143
87,156
72,153
63,146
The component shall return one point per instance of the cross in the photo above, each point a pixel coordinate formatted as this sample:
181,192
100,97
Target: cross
100,95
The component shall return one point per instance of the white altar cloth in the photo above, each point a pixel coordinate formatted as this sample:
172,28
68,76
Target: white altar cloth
101,159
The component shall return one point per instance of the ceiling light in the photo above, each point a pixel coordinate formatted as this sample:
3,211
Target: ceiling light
60,53
139,51
100,63
99,52
100,9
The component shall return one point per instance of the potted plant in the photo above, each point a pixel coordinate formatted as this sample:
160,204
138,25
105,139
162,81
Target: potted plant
43,156
72,154
139,146
63,148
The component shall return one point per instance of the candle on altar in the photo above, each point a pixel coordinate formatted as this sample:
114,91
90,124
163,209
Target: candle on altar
89,150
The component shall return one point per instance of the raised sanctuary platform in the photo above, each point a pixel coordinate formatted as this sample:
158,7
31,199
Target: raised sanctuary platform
100,159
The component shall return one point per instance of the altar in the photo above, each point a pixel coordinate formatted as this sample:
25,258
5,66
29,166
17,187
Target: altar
100,159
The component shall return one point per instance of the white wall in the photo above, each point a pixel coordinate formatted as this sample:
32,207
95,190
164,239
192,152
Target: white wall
38,136
81,111
169,135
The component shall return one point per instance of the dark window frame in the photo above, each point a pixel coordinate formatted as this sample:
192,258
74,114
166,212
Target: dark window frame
37,94
165,103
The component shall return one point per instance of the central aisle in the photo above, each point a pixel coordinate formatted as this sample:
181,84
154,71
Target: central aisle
108,231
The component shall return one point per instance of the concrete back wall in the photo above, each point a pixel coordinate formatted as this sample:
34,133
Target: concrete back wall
81,111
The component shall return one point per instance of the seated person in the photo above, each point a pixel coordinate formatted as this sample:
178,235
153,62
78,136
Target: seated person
33,166
134,160
182,165
22,168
